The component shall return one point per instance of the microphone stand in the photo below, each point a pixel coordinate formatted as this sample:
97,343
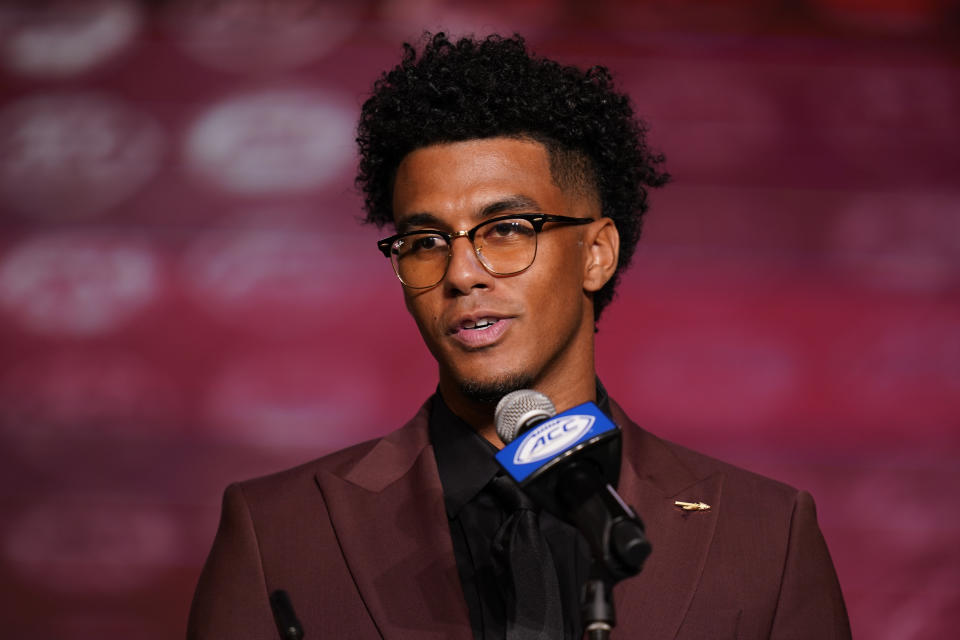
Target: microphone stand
616,538
596,609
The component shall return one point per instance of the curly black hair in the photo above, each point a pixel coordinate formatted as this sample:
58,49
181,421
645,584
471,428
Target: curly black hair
491,87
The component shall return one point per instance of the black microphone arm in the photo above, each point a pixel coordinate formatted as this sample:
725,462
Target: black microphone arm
612,528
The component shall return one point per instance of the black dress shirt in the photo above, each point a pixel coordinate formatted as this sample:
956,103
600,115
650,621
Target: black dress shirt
466,464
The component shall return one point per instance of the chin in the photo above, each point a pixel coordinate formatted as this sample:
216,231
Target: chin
490,391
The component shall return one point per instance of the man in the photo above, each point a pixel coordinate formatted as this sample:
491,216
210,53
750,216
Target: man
516,188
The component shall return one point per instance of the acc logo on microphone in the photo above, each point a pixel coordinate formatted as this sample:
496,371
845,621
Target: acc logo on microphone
552,437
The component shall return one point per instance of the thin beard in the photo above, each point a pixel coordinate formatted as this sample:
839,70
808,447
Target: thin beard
492,392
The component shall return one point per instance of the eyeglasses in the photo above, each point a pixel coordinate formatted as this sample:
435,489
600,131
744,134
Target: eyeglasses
505,246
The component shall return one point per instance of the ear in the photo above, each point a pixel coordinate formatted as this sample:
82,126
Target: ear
602,242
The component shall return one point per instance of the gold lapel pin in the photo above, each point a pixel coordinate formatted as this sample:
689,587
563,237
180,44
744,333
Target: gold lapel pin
691,506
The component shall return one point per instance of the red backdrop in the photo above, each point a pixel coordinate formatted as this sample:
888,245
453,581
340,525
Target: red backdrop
187,298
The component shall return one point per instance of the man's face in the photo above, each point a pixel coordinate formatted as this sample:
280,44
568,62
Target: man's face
542,319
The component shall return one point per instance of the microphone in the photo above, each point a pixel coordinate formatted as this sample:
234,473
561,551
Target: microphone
521,410
568,463
283,614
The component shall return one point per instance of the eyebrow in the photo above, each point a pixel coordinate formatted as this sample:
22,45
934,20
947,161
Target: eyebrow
510,203
516,203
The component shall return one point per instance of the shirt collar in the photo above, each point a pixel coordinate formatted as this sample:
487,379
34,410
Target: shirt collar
465,460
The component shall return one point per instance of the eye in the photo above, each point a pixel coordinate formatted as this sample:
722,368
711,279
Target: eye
420,245
427,243
506,230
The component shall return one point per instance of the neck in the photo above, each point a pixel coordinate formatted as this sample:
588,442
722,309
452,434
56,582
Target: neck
480,414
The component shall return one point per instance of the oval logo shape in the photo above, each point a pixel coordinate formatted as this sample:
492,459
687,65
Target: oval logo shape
552,437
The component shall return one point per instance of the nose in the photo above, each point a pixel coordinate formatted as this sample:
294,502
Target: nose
465,272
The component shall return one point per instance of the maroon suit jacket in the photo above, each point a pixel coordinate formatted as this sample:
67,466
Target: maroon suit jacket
360,541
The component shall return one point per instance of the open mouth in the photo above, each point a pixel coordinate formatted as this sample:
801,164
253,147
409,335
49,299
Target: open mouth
482,323
482,332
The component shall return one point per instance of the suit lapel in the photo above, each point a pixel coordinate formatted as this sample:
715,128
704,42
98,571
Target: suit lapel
387,511
651,479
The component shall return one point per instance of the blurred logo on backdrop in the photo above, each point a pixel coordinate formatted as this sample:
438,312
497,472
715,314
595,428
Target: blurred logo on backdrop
277,281
92,543
272,141
905,241
77,284
65,37
307,402
73,156
55,401
251,36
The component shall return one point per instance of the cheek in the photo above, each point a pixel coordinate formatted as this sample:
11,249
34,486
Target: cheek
561,278
554,300
423,314
562,296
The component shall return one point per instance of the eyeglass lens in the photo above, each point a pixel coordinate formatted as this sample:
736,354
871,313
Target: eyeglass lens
504,247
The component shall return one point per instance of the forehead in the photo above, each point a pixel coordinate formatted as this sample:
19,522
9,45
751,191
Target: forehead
462,179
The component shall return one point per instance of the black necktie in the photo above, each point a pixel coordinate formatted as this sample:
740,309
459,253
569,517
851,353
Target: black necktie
531,589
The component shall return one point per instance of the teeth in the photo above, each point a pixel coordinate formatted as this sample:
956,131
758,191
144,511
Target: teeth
483,323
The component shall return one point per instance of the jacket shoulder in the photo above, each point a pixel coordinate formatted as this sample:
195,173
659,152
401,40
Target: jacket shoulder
672,466
411,436
702,465
332,462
